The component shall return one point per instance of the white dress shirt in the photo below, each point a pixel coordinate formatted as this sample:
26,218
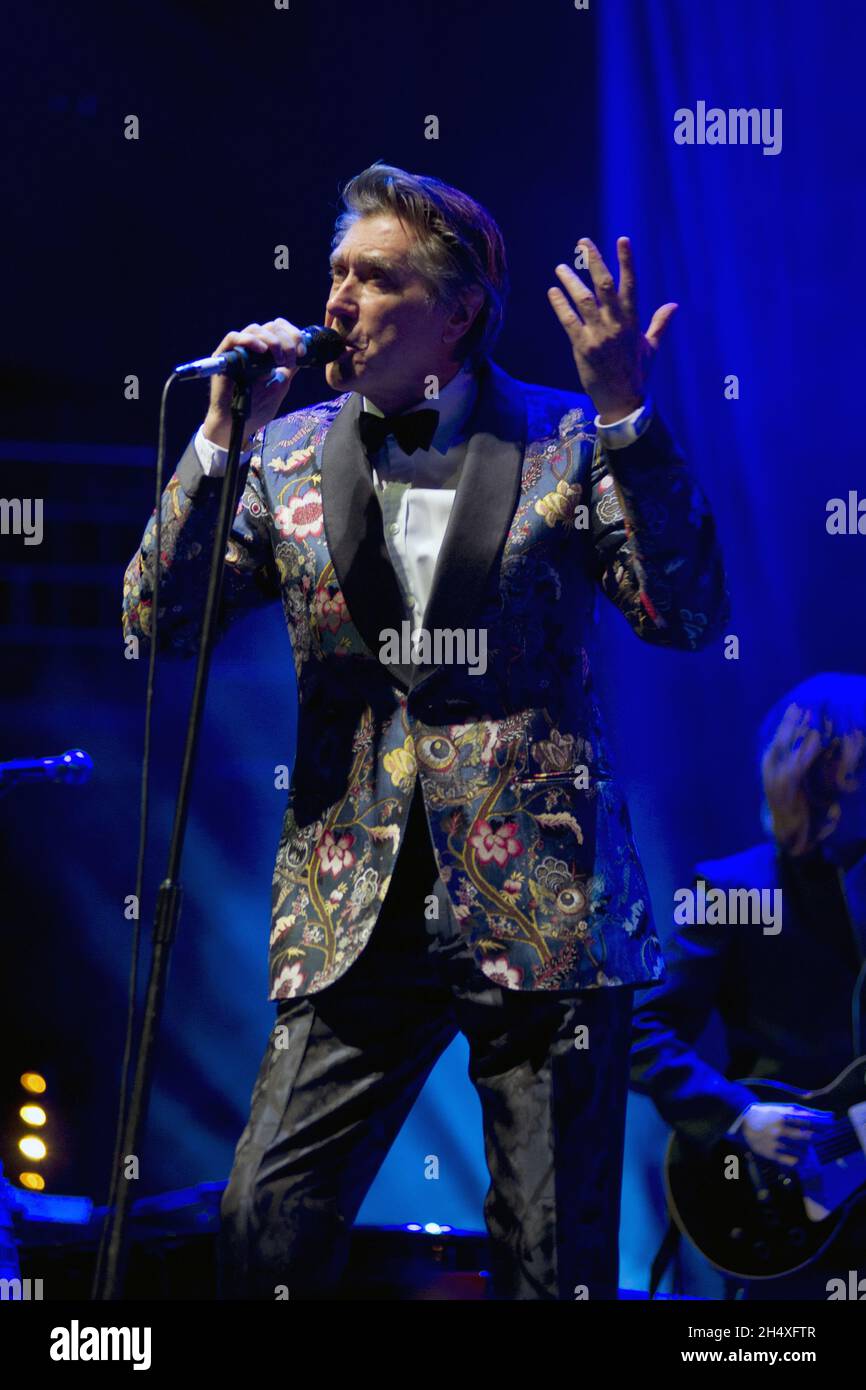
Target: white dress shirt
417,490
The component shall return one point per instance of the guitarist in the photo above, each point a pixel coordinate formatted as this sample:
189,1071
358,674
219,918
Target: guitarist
790,999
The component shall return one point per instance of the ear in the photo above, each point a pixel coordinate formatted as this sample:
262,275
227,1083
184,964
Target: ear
463,314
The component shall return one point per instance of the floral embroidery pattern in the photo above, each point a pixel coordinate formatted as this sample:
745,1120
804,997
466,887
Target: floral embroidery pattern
335,855
330,609
298,458
557,507
500,844
501,973
302,517
530,830
289,982
554,754
400,764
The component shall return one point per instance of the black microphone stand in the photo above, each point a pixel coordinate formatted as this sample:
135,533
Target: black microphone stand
110,1284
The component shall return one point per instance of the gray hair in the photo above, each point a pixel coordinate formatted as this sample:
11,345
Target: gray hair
456,243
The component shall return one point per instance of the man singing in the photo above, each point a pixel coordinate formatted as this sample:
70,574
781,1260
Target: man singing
455,852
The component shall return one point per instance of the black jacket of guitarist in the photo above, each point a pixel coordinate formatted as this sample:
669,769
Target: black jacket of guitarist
785,996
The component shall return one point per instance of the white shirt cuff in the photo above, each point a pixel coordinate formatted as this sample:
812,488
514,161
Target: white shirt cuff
212,457
620,433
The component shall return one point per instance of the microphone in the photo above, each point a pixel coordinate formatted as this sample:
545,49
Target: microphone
73,767
322,344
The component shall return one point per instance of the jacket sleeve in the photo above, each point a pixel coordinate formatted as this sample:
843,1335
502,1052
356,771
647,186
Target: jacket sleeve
655,543
190,507
689,1093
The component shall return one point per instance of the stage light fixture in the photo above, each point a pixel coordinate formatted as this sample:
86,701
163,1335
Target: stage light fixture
33,1115
32,1147
34,1181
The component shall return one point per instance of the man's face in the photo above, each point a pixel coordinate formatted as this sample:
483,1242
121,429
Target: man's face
380,305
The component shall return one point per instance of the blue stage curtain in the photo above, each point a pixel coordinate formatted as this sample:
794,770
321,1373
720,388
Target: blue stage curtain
763,254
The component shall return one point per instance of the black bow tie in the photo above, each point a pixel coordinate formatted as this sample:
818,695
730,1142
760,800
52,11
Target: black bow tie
412,431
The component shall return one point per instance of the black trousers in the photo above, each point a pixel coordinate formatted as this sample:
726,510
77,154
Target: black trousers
343,1068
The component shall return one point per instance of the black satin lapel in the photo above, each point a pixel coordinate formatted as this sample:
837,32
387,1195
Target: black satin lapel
487,496
355,535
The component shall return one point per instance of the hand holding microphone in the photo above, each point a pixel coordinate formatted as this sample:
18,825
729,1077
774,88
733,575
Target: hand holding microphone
284,348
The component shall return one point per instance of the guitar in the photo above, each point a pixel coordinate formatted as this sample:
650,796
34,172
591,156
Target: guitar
756,1219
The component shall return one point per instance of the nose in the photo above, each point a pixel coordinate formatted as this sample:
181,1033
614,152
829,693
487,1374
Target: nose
341,303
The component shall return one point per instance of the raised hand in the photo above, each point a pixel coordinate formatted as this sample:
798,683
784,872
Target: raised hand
794,749
611,353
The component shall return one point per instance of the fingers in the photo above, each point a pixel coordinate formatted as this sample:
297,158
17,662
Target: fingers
857,740
783,1133
795,1121
795,744
564,311
249,337
284,342
796,1129
279,337
787,730
780,742
602,280
832,817
627,277
580,295
805,752
794,1138
620,300
850,755
790,1148
290,341
802,730
659,322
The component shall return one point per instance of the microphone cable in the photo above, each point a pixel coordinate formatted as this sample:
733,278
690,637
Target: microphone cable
143,812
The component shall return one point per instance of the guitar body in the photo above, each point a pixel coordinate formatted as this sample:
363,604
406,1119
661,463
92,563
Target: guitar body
756,1219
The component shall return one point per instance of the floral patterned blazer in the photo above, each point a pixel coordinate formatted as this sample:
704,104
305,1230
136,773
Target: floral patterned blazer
529,827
